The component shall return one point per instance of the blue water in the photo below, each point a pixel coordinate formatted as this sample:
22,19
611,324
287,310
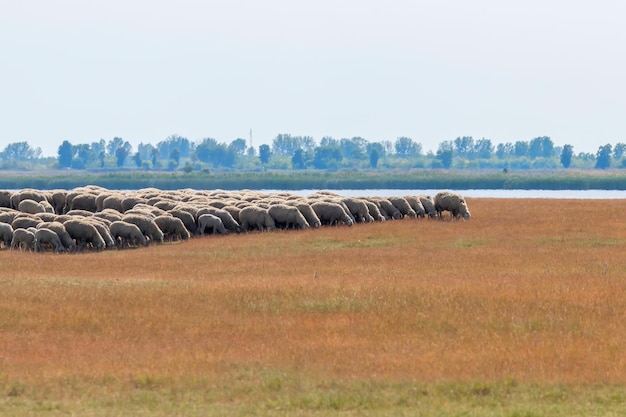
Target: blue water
561,194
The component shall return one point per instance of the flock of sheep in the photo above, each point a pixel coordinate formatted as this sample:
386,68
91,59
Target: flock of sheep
95,218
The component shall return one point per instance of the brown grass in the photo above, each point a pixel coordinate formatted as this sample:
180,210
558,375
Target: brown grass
530,290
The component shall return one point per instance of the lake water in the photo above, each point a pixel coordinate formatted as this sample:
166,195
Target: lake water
562,194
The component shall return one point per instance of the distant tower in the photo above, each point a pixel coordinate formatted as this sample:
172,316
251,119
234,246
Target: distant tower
251,137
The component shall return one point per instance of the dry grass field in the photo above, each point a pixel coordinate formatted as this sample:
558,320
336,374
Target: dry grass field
520,311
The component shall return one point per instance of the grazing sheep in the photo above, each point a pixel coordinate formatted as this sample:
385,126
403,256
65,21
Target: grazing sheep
452,202
211,222
127,234
416,205
85,234
113,202
147,226
130,202
374,211
307,212
59,228
27,193
84,201
172,227
57,199
45,237
23,239
5,198
108,214
387,209
358,209
255,217
24,221
103,228
8,215
6,234
30,206
287,217
47,217
227,219
403,206
429,205
187,218
331,213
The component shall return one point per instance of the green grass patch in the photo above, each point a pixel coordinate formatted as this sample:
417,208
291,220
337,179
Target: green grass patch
250,390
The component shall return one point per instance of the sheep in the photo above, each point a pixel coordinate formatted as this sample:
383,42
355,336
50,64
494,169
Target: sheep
307,212
108,214
331,213
27,193
172,227
45,237
212,222
127,234
24,221
358,209
227,219
186,217
147,226
403,206
57,199
8,215
255,217
46,217
113,202
23,239
129,202
374,211
416,205
287,216
59,228
85,233
30,206
103,228
429,205
84,201
5,198
452,202
387,209
6,234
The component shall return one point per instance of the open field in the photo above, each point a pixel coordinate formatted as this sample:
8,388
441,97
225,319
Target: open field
519,312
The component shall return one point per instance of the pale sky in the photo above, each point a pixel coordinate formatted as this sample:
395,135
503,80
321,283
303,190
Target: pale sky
431,70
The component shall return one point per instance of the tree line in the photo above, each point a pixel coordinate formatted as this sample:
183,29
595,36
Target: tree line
303,152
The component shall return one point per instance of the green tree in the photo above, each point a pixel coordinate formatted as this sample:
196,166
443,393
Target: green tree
238,146
121,153
20,151
566,155
286,145
374,157
327,157
175,155
603,157
520,148
66,154
137,159
406,147
464,147
155,155
504,150
445,153
619,150
354,148
297,160
483,148
264,153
